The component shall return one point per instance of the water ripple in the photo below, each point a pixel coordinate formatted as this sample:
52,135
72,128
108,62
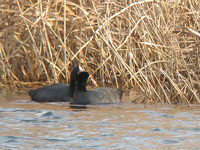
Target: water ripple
115,127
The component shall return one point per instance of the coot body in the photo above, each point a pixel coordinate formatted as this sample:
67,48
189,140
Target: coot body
101,95
58,92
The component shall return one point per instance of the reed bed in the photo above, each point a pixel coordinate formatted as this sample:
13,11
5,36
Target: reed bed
146,47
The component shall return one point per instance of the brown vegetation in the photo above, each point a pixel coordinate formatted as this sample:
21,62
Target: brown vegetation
151,47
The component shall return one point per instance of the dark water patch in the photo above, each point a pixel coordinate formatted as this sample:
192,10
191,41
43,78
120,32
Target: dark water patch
47,114
56,117
196,129
14,139
170,141
107,134
48,121
29,120
55,140
8,138
29,111
167,116
156,130
78,107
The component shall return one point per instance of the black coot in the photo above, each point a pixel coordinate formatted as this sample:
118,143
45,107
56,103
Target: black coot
100,95
58,92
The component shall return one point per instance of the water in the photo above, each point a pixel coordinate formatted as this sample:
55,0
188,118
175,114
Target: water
55,126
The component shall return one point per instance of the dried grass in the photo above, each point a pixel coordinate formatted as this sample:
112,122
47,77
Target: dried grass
147,46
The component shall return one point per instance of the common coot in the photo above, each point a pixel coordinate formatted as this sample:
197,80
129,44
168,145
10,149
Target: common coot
58,92
101,95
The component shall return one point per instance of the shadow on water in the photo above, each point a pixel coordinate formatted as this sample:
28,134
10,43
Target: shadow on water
123,126
78,107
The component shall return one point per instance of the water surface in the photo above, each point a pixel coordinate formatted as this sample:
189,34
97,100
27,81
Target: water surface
55,126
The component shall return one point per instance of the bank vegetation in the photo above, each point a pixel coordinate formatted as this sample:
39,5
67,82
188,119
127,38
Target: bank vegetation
148,47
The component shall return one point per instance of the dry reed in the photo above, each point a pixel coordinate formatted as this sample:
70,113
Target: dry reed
145,46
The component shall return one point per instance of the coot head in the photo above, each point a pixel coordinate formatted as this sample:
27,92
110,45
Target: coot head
82,80
74,74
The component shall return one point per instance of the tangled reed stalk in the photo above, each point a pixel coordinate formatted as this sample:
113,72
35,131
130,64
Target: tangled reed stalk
145,46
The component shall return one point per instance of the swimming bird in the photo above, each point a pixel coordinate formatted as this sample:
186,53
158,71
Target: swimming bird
57,92
101,95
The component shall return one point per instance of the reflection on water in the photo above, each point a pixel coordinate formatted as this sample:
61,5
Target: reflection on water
29,125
